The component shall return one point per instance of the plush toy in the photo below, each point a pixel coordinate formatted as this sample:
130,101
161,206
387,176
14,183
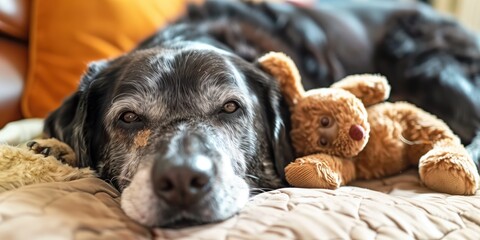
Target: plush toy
347,132
39,161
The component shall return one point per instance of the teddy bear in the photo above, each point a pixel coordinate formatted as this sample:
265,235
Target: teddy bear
38,161
348,131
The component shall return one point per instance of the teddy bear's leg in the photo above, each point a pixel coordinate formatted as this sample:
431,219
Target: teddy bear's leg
320,171
443,162
448,168
53,147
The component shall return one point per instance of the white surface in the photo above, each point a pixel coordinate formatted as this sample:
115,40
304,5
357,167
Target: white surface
21,131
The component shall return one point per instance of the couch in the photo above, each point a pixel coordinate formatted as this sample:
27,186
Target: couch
14,19
41,62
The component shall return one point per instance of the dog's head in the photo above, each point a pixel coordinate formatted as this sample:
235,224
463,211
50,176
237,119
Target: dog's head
185,131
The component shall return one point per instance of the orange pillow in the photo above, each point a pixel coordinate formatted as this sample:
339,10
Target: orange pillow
67,34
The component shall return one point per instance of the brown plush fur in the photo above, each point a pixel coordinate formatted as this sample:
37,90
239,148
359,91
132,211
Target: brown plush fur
38,162
338,139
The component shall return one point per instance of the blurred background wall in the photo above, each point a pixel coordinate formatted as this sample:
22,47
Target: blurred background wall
466,11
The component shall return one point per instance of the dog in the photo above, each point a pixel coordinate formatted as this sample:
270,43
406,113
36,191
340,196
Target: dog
187,126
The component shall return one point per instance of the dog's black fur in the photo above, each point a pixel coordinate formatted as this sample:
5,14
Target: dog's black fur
180,71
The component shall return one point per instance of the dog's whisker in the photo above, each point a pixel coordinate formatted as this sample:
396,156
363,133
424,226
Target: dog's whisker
121,178
255,191
252,176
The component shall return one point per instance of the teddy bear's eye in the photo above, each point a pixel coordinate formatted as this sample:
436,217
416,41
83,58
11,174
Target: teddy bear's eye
325,121
323,141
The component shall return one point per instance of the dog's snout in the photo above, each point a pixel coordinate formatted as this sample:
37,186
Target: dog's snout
183,177
181,185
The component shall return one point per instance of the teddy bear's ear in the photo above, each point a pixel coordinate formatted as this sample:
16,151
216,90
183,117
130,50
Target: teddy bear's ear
282,68
369,88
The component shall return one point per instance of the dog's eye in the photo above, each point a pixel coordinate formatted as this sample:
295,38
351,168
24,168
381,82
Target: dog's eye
129,117
230,107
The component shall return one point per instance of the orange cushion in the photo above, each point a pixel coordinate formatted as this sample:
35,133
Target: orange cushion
67,34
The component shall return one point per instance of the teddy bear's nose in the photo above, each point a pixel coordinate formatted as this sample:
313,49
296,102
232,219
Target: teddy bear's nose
356,132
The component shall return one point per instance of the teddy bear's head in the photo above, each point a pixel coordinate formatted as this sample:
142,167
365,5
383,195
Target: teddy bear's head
329,120
324,120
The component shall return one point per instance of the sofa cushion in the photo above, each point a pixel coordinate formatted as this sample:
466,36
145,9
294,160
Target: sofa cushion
14,18
66,35
13,64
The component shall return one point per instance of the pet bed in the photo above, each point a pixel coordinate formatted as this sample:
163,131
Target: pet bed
397,208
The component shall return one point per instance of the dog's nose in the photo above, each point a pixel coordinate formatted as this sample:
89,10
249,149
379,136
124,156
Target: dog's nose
181,185
185,177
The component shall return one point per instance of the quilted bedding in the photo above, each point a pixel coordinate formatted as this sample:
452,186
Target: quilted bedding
399,208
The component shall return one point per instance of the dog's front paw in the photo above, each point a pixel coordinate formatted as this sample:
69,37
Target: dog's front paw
52,147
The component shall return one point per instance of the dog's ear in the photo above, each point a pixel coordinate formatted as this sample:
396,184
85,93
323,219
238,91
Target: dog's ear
68,122
281,144
284,77
276,117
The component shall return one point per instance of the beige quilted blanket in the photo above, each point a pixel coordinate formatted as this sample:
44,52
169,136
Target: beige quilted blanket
399,209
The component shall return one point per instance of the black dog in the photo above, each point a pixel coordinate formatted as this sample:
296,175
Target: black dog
187,126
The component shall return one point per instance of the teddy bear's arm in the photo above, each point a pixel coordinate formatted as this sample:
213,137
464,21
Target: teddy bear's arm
369,88
320,171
